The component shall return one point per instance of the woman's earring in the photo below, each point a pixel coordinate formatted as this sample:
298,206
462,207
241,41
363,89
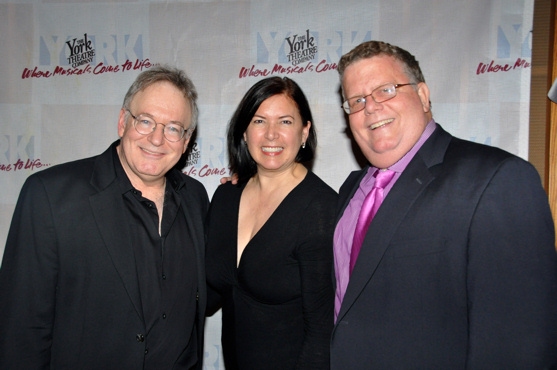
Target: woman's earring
304,145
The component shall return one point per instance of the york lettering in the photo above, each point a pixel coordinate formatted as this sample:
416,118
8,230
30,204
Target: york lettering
331,44
297,43
16,146
79,46
110,48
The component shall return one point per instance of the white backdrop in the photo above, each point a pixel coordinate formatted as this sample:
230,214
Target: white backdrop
66,65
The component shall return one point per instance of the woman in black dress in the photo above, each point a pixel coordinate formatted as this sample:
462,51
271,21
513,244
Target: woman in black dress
269,251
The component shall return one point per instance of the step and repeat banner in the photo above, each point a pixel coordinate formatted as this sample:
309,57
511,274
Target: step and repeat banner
66,65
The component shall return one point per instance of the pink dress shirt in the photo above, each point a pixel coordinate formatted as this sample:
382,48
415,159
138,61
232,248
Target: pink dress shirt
346,226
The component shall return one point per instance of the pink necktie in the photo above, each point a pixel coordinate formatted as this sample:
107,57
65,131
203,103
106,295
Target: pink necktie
369,209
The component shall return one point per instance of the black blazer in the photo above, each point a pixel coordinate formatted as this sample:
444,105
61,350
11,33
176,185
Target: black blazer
69,235
458,269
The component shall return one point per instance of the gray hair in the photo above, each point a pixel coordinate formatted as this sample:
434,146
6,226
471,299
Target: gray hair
176,77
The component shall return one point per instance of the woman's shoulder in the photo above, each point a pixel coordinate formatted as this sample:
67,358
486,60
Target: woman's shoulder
317,185
227,191
315,193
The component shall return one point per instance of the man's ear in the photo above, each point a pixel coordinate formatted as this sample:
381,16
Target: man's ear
423,93
122,122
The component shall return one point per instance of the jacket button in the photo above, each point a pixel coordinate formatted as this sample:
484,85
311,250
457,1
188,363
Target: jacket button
140,338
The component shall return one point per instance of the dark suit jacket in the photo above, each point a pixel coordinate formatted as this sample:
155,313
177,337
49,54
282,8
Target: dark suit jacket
458,269
69,295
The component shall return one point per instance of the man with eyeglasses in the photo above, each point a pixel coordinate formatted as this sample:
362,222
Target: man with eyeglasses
457,267
104,261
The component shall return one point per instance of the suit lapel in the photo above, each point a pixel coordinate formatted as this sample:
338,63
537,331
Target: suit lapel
195,205
110,216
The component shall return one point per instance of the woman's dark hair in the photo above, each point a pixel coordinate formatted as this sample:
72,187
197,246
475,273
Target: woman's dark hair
240,161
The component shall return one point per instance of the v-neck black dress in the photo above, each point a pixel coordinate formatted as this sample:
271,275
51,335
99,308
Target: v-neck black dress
277,305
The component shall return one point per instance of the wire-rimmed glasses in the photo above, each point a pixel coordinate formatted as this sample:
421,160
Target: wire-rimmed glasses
379,95
145,125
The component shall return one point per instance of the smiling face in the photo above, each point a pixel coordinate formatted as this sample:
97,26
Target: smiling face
275,134
147,158
386,131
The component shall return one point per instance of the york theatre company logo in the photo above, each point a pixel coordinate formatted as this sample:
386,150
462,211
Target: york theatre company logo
302,48
61,55
81,51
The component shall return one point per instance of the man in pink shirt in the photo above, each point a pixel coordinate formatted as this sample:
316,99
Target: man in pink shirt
458,266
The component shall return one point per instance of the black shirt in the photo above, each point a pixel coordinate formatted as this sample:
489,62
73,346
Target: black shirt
166,272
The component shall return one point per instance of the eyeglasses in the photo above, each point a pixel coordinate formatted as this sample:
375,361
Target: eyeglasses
145,125
379,95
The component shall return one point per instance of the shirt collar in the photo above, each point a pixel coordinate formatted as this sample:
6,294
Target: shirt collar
173,177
